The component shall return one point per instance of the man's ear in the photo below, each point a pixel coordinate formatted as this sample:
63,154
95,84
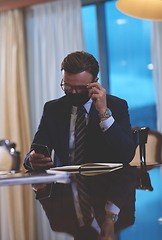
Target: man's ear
96,79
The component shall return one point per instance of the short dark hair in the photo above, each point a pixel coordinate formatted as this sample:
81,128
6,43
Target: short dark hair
77,62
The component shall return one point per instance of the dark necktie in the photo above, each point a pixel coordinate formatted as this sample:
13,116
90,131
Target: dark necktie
84,199
80,133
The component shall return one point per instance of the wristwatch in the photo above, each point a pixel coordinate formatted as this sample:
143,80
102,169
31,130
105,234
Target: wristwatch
113,216
106,114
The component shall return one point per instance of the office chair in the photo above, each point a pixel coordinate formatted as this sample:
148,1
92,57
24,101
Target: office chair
9,157
140,136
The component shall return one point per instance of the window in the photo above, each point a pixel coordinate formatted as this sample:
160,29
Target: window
130,68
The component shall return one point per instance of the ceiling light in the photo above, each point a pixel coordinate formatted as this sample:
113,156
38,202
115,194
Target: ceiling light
143,9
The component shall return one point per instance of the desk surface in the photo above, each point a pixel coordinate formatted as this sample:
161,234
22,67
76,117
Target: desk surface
59,205
23,177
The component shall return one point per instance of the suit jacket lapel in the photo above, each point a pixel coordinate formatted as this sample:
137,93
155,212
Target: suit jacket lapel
64,126
93,119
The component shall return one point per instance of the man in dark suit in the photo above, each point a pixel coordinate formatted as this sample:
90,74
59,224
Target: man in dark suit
108,137
108,130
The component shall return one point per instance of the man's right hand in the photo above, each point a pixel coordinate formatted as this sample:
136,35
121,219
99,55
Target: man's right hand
39,162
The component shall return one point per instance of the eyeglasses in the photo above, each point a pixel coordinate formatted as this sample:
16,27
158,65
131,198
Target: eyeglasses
67,88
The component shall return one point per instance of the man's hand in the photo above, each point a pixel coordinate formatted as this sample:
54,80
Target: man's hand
98,95
39,162
38,186
42,190
107,230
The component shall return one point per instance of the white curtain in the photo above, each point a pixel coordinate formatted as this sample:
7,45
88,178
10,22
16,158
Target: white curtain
157,71
53,30
16,202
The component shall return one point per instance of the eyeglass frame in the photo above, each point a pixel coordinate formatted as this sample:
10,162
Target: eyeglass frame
74,87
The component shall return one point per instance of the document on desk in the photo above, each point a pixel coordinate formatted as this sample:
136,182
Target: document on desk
88,168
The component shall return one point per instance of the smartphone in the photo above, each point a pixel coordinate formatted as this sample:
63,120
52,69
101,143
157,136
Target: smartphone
39,148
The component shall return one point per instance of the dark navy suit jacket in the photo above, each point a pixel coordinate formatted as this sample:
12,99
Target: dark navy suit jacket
113,145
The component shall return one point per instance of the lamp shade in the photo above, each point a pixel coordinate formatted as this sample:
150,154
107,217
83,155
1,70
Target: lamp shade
144,9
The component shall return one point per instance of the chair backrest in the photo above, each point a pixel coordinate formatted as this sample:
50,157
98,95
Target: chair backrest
9,157
140,136
154,149
149,148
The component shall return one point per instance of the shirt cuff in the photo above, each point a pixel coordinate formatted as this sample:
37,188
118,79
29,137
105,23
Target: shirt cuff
106,123
110,207
27,165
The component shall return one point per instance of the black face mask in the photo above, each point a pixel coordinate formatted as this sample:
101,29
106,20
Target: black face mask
78,99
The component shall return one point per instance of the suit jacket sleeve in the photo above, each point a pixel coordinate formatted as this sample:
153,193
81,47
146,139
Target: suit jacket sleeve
116,143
